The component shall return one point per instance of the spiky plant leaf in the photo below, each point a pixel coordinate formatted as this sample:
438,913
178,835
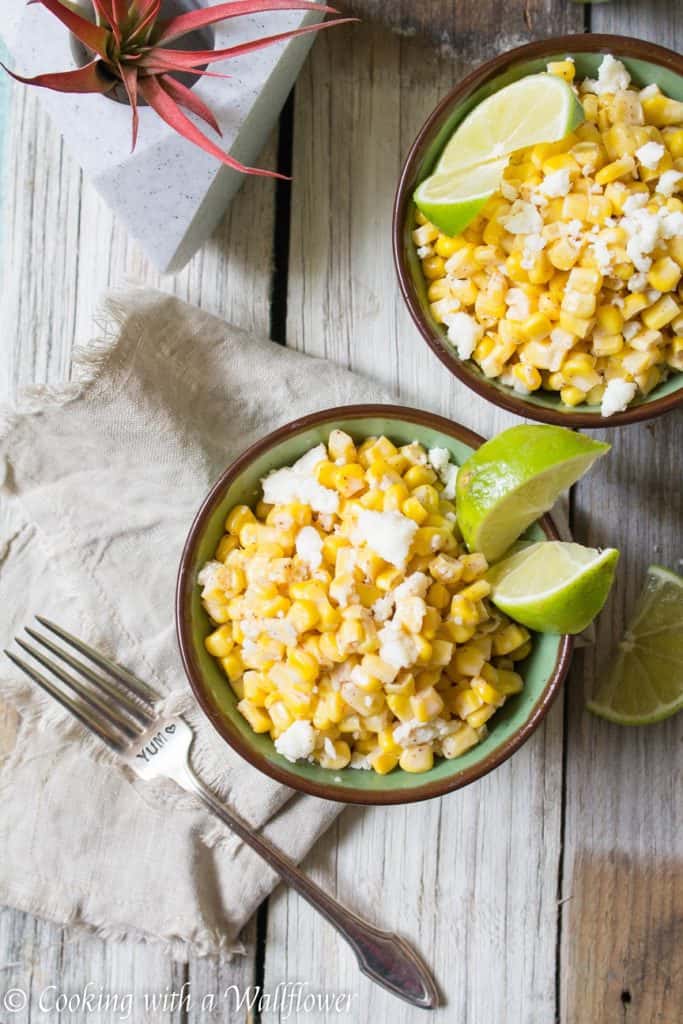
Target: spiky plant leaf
87,79
181,24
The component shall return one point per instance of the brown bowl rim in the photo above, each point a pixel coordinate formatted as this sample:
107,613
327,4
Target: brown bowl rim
590,43
186,583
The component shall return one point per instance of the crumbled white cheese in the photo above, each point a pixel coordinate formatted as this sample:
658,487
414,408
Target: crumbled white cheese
415,585
438,459
412,733
642,228
533,244
464,332
669,183
618,394
671,224
397,648
638,282
508,190
561,342
208,578
360,761
634,202
648,92
423,251
297,483
511,380
523,219
556,184
602,255
390,534
449,478
650,154
443,308
612,77
309,547
382,608
297,742
519,306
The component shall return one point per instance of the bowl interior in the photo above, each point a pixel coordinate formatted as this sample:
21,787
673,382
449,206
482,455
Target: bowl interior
537,669
643,73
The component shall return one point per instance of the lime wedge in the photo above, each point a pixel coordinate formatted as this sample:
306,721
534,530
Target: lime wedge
553,586
451,201
513,479
538,108
645,683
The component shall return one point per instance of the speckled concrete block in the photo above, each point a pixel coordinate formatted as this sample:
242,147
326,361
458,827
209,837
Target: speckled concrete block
170,194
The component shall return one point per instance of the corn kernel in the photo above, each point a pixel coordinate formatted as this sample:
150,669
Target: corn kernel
417,759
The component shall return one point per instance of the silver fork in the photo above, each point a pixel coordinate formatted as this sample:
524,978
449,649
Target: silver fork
119,708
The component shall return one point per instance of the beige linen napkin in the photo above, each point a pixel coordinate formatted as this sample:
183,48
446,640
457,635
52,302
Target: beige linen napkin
101,481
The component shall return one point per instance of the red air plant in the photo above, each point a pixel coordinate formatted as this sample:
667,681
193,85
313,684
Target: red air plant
130,44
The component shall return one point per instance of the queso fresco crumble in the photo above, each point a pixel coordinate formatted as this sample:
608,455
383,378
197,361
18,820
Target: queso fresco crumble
351,624
569,280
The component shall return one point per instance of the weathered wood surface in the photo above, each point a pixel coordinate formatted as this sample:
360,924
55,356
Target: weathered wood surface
551,890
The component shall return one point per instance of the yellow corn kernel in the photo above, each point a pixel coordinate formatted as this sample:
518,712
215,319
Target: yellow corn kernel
227,544
610,319
446,569
387,743
439,290
418,476
580,326
349,479
383,761
340,446
572,395
468,660
463,612
634,304
509,682
536,327
563,68
509,638
476,591
233,666
394,497
528,376
488,693
465,702
579,304
426,705
478,718
399,705
258,719
662,312
256,688
664,274
606,344
425,234
457,743
584,280
303,614
590,106
433,267
417,759
562,254
303,664
335,754
237,518
660,111
617,169
220,643
279,715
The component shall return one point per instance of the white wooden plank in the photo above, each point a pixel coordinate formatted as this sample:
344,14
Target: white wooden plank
471,879
622,939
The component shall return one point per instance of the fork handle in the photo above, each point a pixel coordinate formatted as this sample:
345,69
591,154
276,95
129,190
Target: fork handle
383,956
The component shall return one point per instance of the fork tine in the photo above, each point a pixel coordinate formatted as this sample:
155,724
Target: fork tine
112,716
141,689
90,722
117,695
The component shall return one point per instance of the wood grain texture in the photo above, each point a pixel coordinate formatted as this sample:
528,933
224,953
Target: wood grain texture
622,927
472,879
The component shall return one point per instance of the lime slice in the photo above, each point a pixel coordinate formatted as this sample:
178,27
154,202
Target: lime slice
554,586
645,684
451,201
538,108
513,479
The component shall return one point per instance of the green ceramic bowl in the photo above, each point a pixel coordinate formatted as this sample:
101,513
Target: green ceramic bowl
646,63
543,671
